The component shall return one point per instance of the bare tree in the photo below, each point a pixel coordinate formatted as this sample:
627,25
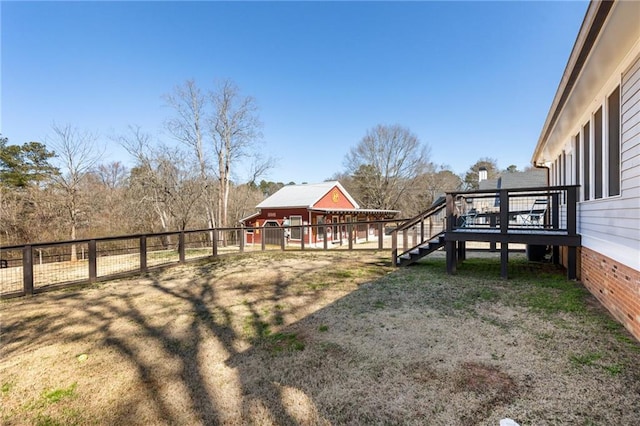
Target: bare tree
221,130
188,126
77,154
235,130
163,179
384,165
426,188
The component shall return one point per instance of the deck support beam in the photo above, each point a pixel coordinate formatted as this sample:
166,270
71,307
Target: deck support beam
462,251
572,263
504,260
452,261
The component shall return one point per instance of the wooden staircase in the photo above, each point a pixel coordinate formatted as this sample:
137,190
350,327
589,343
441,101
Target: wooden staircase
423,249
429,226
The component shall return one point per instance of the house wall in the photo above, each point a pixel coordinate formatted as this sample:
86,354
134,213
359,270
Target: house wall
616,286
611,225
578,151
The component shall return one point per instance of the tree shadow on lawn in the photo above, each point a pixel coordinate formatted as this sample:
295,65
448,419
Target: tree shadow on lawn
408,348
173,335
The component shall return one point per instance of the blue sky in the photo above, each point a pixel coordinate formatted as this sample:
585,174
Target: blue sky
470,79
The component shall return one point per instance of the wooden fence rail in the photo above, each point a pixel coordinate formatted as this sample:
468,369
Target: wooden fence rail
34,268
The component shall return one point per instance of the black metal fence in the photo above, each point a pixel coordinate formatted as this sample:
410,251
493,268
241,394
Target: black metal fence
38,267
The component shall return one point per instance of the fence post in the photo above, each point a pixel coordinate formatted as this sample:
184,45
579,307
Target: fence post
350,232
214,242
241,240
143,253
27,270
324,237
380,235
181,246
283,240
302,229
263,242
93,262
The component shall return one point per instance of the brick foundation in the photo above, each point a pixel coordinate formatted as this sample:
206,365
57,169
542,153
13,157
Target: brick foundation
616,286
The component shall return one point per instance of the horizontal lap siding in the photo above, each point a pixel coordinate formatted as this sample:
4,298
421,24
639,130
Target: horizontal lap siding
616,220
630,137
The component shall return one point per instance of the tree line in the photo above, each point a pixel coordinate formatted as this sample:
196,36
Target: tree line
61,189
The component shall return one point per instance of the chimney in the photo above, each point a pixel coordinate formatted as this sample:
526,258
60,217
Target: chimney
482,174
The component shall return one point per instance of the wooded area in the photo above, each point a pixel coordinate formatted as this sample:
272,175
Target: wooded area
60,189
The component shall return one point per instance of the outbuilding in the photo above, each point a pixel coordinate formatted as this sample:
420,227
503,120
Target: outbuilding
303,209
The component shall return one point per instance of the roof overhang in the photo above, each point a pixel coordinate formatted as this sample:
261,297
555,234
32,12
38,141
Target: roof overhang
357,211
595,58
243,220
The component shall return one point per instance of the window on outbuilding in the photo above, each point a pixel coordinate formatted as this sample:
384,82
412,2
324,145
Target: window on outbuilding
296,233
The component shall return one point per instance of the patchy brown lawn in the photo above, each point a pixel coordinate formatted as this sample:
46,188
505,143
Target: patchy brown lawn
319,338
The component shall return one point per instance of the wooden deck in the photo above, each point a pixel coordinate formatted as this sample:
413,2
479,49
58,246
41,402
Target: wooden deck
501,217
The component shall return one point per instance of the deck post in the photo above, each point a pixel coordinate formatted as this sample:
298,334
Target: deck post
572,264
504,260
462,251
452,261
504,211
555,211
450,246
572,201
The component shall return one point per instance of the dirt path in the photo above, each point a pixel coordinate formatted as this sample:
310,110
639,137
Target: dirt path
319,338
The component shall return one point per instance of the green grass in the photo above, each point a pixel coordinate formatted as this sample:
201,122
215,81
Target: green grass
593,359
55,395
6,387
283,342
587,359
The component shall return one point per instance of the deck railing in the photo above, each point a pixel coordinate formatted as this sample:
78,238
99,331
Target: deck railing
539,209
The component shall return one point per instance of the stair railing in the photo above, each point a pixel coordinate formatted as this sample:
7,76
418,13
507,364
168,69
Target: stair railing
422,227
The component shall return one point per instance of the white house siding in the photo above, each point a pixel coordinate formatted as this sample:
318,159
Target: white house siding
611,226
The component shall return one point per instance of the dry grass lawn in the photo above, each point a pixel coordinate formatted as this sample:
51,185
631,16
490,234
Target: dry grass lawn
319,338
